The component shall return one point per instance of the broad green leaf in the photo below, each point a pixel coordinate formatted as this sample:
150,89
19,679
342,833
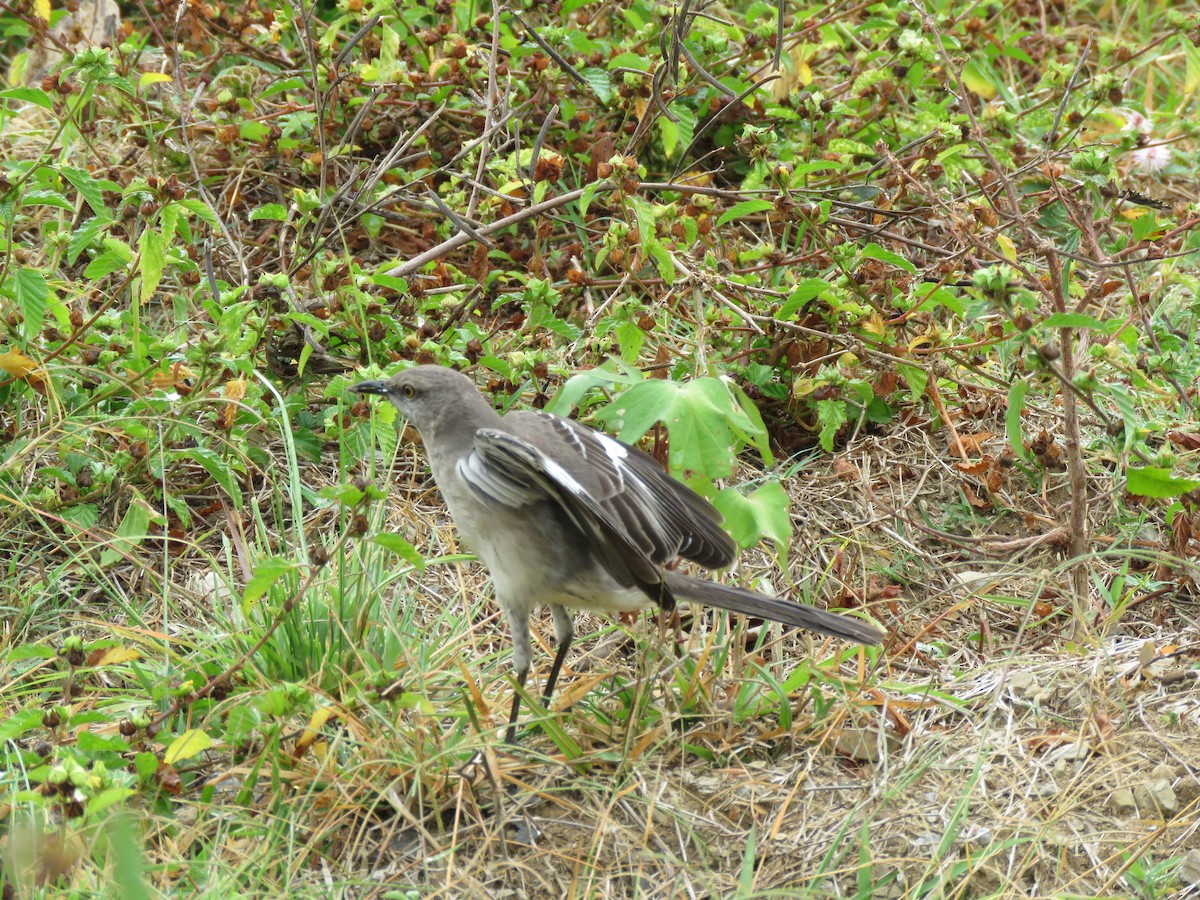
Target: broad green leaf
200,209
760,514
402,548
1074,320
874,251
151,262
273,211
21,722
704,418
168,218
668,131
47,198
105,264
189,744
600,82
130,533
743,209
1122,398
85,236
916,379
266,573
805,291
1012,418
223,472
33,95
90,188
832,416
978,81
571,394
33,299
150,78
1148,481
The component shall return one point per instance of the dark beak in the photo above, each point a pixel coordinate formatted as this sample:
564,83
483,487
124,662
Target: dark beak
379,386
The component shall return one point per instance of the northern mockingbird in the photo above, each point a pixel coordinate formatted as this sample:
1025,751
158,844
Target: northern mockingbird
567,517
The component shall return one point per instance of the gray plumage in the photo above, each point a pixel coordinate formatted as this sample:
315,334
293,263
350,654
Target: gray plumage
571,518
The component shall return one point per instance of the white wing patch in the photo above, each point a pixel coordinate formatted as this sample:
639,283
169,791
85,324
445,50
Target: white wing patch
563,477
616,451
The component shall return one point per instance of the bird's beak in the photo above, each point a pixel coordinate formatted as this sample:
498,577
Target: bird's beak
379,386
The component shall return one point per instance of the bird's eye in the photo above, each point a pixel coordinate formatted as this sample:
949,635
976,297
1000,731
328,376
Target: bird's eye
408,391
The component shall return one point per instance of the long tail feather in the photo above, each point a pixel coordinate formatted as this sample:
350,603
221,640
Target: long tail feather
752,603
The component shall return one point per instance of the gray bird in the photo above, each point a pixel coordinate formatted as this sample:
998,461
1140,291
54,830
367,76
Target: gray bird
570,518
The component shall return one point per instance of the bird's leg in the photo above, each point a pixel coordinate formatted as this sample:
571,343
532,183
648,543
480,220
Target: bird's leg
518,624
564,631
510,736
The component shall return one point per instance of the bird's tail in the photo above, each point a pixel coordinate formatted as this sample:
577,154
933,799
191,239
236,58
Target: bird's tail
752,603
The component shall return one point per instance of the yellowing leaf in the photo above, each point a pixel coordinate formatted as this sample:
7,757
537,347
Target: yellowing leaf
235,389
1007,247
873,324
16,364
975,81
176,374
113,656
149,78
312,731
190,743
41,9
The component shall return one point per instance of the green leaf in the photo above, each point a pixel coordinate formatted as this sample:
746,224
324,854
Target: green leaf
33,299
276,212
761,514
250,130
90,188
662,257
402,548
874,251
91,742
222,471
1012,418
1122,398
832,416
200,209
47,198
105,264
189,744
571,394
1148,481
33,95
806,290
743,209
916,380
669,132
85,236
705,418
1074,320
266,573
349,495
589,192
145,764
19,723
600,83
81,515
152,261
168,218
130,533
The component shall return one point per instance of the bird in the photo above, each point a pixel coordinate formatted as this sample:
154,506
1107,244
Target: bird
565,516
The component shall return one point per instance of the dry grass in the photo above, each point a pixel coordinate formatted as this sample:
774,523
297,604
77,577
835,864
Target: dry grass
979,757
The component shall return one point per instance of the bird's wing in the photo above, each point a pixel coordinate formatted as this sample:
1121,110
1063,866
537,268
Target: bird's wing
512,472
662,517
650,505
